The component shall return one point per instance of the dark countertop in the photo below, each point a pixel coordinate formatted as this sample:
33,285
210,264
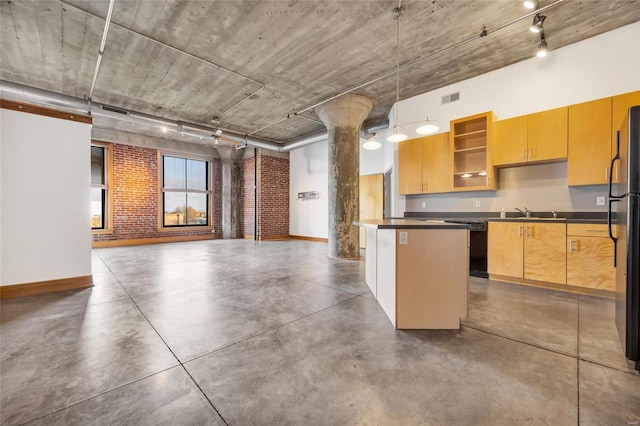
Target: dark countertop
547,217
408,224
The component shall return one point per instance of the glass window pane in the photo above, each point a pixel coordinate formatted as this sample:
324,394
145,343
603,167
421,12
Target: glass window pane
97,165
97,208
197,175
197,209
174,173
175,208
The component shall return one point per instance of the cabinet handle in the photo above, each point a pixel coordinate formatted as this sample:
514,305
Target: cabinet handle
606,174
571,246
530,153
519,230
617,173
527,231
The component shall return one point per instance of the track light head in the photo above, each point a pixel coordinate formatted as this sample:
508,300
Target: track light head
530,4
542,49
538,21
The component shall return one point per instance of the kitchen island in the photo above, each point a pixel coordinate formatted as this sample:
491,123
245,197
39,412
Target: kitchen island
418,271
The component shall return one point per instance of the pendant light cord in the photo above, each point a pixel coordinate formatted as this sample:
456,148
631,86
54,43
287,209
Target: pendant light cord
397,13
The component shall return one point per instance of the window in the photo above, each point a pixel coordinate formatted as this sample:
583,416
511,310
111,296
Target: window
185,192
99,186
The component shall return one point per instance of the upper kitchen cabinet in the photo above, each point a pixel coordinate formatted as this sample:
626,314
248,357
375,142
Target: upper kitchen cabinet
547,135
510,141
589,143
619,110
534,138
471,147
410,167
423,165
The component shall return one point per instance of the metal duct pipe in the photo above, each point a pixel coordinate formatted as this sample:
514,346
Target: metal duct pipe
20,92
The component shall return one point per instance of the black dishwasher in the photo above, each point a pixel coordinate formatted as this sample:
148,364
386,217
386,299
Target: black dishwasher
477,246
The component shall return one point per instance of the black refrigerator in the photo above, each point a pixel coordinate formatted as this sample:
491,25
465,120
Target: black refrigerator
624,204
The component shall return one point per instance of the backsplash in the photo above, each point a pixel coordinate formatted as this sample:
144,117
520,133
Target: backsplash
541,188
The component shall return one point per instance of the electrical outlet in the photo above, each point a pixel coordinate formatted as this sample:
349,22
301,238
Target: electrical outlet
404,238
478,203
599,201
424,204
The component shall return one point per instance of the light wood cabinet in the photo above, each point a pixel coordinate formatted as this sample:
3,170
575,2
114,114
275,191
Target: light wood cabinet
619,109
529,250
505,249
510,141
547,135
423,165
471,147
589,143
590,257
371,200
534,138
545,255
410,167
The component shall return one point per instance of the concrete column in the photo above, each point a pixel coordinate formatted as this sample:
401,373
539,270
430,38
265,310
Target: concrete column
231,191
343,117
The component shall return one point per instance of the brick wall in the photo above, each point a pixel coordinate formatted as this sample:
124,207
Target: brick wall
248,196
135,196
274,196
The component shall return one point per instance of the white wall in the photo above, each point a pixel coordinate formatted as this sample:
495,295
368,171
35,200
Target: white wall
44,194
602,66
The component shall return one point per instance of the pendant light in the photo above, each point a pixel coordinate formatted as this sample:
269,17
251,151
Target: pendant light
425,127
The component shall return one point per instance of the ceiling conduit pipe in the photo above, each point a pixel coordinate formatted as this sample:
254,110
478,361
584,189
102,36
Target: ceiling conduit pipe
102,45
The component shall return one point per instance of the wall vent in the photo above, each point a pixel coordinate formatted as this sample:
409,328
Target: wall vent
451,98
112,109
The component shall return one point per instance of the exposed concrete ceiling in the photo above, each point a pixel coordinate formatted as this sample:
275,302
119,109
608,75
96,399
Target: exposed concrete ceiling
197,61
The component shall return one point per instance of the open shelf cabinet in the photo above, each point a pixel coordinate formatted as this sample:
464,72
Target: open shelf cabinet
471,160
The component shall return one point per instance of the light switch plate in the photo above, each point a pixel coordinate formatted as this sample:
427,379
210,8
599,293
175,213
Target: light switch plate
599,201
424,204
404,238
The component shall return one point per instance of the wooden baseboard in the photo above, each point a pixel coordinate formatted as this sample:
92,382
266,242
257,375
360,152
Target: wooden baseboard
302,237
552,286
157,240
247,237
274,237
42,287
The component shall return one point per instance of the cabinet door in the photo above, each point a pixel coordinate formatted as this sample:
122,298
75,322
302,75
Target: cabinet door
590,262
504,249
547,135
510,141
410,167
545,254
370,200
589,142
435,163
619,110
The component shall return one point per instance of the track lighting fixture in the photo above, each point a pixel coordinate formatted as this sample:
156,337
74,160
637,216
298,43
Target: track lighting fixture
536,25
530,4
542,48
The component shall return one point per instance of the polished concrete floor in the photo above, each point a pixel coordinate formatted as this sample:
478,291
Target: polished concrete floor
241,333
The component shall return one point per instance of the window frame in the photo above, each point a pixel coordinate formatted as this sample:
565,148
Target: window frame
161,191
108,177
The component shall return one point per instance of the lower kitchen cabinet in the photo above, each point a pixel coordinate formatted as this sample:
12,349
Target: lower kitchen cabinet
529,250
590,257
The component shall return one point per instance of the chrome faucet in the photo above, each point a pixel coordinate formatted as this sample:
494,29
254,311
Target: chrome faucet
525,213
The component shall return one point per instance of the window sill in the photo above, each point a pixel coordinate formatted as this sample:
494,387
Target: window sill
187,228
101,231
